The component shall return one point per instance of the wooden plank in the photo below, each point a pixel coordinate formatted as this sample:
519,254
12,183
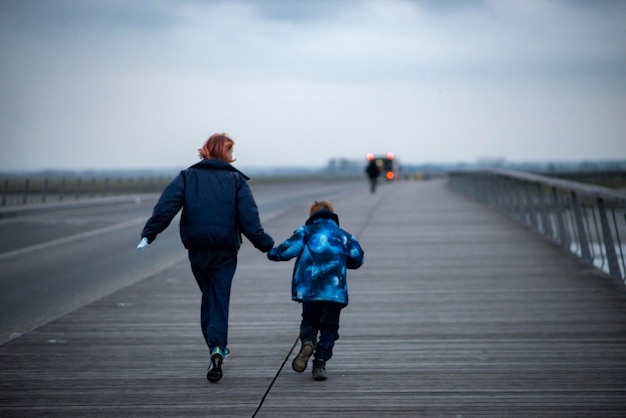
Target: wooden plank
458,311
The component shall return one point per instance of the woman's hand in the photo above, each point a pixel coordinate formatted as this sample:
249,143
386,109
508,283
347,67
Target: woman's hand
143,244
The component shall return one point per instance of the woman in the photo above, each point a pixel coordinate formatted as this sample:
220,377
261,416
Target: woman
217,207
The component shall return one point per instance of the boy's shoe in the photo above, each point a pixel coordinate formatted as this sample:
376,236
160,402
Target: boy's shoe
301,360
319,370
215,369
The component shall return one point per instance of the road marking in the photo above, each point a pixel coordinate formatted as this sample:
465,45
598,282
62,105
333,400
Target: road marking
137,221
71,238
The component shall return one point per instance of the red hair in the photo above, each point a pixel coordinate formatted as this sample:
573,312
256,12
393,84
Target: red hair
217,147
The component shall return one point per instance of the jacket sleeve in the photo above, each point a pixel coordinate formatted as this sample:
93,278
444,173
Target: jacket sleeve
356,254
290,248
248,218
167,207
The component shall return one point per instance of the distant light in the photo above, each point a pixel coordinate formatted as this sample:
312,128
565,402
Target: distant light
370,156
390,155
390,175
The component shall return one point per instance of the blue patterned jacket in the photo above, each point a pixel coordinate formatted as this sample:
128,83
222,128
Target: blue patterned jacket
324,252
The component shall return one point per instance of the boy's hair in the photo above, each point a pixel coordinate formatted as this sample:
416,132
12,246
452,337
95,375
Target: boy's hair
321,205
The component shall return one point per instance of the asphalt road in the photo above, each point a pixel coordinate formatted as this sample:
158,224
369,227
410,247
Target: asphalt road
53,261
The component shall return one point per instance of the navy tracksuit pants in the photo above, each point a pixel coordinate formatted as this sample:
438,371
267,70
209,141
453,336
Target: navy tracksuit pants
214,271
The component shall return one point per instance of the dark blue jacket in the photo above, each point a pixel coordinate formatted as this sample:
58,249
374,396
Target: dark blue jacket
217,204
324,252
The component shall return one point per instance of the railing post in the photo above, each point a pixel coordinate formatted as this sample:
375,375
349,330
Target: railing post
25,195
78,188
62,191
45,190
531,206
582,232
498,192
471,186
609,246
545,216
520,192
490,189
523,202
483,187
560,222
503,194
518,201
5,192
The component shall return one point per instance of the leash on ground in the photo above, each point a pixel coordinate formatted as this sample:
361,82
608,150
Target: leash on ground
275,377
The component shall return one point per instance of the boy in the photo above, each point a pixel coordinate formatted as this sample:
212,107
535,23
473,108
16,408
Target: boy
324,252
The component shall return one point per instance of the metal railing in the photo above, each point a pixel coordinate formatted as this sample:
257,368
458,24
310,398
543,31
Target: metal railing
29,190
587,220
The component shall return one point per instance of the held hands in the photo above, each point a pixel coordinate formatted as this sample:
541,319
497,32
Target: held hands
143,244
273,255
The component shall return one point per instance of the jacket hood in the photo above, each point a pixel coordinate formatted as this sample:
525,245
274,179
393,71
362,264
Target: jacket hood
323,214
217,165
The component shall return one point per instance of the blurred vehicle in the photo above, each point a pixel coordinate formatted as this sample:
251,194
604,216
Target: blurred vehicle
388,166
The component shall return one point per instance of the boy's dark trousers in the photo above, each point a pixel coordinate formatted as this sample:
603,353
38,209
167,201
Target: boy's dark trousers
321,316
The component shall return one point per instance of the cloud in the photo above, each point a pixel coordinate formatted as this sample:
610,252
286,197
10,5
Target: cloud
118,84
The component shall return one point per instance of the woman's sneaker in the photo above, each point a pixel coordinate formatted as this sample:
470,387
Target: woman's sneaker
319,370
215,369
299,363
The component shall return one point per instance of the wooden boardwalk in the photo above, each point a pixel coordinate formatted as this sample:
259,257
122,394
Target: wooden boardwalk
458,312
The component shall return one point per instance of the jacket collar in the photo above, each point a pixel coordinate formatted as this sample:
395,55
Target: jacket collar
217,165
323,214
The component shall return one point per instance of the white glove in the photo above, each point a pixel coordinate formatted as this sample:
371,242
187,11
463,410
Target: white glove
143,244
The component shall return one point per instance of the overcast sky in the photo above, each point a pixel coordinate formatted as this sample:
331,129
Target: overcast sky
142,84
